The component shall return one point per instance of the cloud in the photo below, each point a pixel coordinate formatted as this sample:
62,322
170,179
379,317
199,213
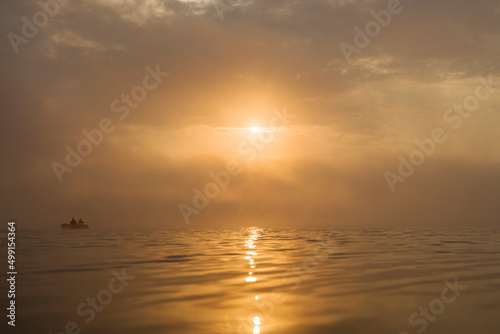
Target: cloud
229,74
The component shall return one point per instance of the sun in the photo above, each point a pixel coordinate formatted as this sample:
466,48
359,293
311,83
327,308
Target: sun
255,129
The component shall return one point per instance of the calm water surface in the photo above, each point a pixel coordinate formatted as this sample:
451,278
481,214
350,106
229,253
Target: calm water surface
259,281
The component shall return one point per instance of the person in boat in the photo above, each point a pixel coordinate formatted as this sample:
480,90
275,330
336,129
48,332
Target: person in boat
80,221
73,221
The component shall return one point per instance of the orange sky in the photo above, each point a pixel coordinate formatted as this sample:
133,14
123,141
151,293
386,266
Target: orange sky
325,167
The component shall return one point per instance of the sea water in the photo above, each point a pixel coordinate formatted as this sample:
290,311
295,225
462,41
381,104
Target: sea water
257,280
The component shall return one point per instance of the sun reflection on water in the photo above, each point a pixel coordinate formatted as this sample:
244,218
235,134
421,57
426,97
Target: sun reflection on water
254,234
250,243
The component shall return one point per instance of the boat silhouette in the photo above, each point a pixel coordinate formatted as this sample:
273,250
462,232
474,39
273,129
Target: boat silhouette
74,225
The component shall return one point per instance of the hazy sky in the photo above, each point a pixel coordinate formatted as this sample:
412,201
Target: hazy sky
232,67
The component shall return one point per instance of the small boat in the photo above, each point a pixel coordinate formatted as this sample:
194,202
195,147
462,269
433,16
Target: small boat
74,225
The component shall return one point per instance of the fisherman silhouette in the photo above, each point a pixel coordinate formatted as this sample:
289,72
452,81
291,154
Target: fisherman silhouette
80,221
73,221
